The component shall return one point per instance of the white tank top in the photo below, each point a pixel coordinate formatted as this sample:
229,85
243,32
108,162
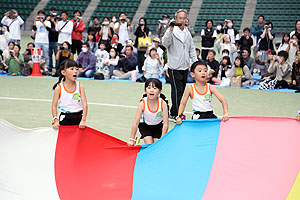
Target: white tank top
201,102
69,101
152,117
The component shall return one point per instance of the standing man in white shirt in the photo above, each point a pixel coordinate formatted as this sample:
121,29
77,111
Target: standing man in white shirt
42,27
181,52
14,23
64,28
123,28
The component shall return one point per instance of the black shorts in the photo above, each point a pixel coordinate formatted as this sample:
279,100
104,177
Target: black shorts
203,115
154,131
70,119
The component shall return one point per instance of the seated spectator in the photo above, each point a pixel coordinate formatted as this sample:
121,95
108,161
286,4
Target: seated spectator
129,43
28,59
282,69
293,48
265,74
6,53
115,43
225,43
198,52
101,55
94,26
214,65
64,53
245,40
284,45
224,53
91,39
224,70
86,61
152,65
156,45
105,34
126,64
239,69
14,61
231,31
250,62
110,63
296,74
5,37
2,67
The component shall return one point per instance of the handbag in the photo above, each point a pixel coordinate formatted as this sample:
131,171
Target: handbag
144,41
236,82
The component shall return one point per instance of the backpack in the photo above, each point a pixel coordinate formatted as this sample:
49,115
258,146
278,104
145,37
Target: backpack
26,69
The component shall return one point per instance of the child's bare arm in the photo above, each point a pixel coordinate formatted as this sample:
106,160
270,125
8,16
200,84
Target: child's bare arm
136,123
298,117
221,98
54,108
165,119
186,95
84,107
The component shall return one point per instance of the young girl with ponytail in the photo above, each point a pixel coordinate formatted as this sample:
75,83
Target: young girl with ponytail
70,96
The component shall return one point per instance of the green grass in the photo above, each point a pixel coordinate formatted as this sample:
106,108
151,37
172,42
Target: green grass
116,120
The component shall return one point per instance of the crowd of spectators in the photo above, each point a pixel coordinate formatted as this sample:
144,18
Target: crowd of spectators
106,48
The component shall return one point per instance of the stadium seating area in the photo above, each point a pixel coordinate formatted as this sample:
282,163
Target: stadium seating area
157,8
109,8
67,5
24,7
219,10
283,14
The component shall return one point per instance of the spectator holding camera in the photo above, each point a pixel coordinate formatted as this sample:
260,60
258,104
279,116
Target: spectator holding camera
14,61
105,34
5,37
64,29
42,27
208,36
231,31
246,40
12,20
6,53
94,26
86,61
181,53
293,48
53,36
115,43
163,26
258,29
64,53
123,28
142,31
78,28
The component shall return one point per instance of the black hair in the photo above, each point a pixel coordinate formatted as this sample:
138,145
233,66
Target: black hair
30,43
247,29
213,51
145,20
122,13
86,44
11,43
223,51
195,64
18,46
209,20
242,61
155,82
75,11
93,34
197,49
106,18
283,54
261,16
42,12
228,60
64,11
270,23
285,34
95,18
64,65
116,35
129,47
69,45
152,49
296,24
247,49
116,51
272,52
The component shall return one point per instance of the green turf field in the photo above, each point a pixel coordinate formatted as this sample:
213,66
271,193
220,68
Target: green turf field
26,102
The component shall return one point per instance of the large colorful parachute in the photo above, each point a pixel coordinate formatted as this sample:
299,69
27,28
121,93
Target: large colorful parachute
244,158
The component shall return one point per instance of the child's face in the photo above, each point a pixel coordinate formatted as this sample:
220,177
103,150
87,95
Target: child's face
224,61
200,73
246,33
102,46
152,91
237,62
286,38
153,54
90,37
71,73
11,46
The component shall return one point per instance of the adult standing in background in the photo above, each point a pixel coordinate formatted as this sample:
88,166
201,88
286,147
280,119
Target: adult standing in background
208,36
163,26
181,52
123,28
297,29
258,29
53,36
64,28
14,22
78,28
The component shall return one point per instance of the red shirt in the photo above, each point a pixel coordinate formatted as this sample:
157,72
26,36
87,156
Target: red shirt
78,28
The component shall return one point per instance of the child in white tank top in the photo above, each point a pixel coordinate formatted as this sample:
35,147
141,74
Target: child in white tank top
201,96
154,113
70,96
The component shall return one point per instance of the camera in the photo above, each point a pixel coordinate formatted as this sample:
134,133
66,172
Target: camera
11,52
163,21
80,18
174,23
53,14
106,23
123,20
11,12
40,17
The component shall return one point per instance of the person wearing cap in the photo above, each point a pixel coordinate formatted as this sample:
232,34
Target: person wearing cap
181,53
53,36
156,43
78,28
163,26
129,42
